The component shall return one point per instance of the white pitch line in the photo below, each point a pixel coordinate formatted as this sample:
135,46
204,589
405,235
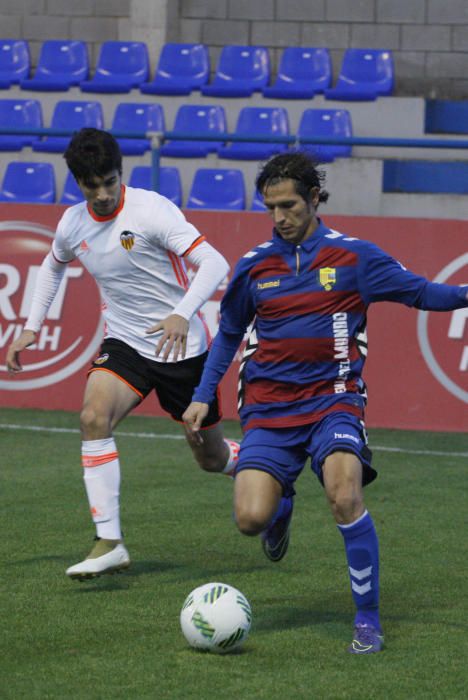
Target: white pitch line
44,429
173,436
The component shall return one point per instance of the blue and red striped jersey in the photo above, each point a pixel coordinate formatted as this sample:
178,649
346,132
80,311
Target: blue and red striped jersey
308,303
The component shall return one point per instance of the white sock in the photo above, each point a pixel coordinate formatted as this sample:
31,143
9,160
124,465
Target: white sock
101,466
233,458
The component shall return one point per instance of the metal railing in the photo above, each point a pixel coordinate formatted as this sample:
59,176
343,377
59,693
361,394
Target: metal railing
157,139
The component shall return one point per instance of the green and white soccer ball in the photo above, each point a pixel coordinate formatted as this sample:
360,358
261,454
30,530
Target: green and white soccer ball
216,617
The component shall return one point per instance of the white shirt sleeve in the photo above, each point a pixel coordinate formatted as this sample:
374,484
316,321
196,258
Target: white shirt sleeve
170,228
212,269
47,283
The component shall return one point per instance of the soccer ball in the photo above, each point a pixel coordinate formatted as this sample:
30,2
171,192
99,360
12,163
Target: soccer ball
216,617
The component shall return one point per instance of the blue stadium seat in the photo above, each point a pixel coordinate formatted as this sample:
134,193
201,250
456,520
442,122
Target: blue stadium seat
136,116
217,188
61,64
258,121
200,120
241,70
423,176
302,73
22,114
325,122
71,192
121,66
170,184
28,182
181,69
70,116
364,75
15,61
257,202
446,117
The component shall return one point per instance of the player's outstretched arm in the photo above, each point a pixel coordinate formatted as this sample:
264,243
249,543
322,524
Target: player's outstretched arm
13,362
194,416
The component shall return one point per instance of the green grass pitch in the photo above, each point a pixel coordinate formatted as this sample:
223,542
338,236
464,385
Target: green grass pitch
119,636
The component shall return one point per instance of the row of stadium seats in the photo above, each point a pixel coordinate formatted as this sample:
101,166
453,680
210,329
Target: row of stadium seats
212,188
222,188
207,120
364,74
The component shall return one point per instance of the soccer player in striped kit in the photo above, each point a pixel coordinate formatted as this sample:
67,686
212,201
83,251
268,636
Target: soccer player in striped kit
307,291
134,243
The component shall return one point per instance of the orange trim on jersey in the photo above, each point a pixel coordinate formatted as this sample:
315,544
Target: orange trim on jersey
97,460
114,374
184,275
205,327
173,258
115,213
199,240
178,268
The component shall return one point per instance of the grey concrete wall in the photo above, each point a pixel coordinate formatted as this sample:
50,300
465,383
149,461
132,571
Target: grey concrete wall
94,21
428,38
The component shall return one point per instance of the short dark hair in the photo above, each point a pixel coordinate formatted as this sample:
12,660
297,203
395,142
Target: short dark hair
297,166
92,152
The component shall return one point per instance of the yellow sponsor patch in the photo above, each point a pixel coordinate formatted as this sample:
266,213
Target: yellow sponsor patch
268,285
327,277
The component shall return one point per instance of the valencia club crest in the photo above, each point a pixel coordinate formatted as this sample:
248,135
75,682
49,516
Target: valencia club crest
127,239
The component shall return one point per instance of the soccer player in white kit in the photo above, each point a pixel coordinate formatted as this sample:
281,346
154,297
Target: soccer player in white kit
134,243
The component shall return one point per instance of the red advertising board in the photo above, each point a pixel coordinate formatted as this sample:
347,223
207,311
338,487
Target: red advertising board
417,368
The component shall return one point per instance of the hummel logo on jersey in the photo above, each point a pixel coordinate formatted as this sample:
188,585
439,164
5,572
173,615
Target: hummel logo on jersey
84,246
327,277
346,436
127,239
267,285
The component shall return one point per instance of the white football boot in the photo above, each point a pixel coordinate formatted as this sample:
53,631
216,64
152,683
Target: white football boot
106,557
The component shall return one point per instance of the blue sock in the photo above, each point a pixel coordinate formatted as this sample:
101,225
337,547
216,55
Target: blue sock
362,552
284,509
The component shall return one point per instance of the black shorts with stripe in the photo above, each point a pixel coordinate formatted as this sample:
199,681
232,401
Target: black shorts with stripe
173,382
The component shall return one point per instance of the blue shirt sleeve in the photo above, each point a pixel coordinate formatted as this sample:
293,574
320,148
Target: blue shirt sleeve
221,355
237,312
238,303
382,278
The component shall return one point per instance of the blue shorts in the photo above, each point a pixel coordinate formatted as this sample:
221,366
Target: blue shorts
282,452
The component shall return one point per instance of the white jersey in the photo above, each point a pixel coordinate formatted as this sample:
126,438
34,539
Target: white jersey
136,257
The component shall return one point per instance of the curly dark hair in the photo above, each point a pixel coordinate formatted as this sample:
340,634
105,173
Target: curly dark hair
91,153
297,166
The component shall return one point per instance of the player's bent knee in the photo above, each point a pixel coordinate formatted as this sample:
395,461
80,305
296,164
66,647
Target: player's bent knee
346,507
211,463
94,424
250,522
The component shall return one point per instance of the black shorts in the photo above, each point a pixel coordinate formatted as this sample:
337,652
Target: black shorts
173,382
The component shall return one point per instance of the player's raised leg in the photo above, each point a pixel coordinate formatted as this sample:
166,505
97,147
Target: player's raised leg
212,451
107,400
342,472
257,495
261,508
